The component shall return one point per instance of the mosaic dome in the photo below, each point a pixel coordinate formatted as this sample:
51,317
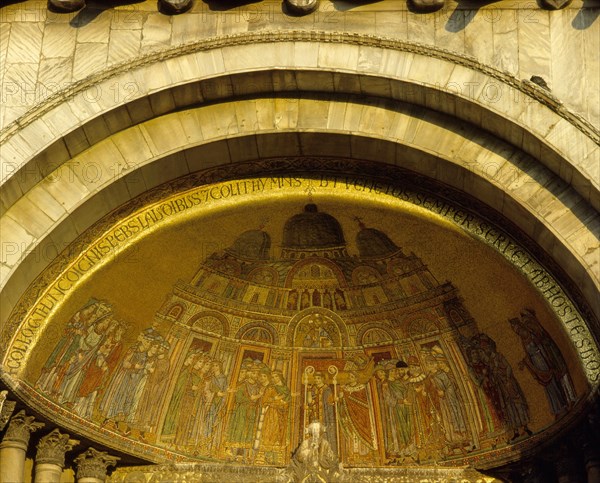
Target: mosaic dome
312,229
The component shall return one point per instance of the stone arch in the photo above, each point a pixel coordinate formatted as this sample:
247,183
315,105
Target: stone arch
175,310
243,332
223,323
554,154
320,261
379,326
300,316
172,79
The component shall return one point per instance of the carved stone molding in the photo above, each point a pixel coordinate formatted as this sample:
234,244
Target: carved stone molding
20,428
52,448
6,409
93,464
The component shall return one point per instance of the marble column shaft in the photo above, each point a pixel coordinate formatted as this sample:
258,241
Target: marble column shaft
14,446
50,456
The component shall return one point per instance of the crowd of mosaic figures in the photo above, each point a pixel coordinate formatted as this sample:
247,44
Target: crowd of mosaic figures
245,412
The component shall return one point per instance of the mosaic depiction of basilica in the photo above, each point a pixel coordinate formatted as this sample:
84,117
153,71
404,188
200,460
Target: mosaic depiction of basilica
257,345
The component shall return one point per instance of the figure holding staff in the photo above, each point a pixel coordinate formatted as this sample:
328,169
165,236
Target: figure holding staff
320,405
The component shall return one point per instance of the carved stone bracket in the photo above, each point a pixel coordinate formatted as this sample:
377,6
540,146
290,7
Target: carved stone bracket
175,6
6,409
301,7
314,460
554,4
20,428
425,6
52,448
93,464
66,5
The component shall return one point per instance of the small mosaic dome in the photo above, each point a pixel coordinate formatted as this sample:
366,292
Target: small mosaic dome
373,243
312,229
252,244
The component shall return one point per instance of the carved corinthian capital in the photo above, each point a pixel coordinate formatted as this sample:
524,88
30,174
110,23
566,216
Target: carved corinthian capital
6,409
93,464
20,428
52,448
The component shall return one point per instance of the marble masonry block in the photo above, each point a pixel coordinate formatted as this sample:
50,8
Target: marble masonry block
285,113
76,141
55,74
90,210
118,119
336,114
242,148
59,40
284,80
207,155
134,181
163,134
123,45
505,56
375,86
133,146
376,118
534,44
66,188
254,83
279,144
314,143
352,116
35,220
130,17
315,81
312,113
92,26
190,123
371,149
16,237
139,110
421,28
217,121
485,189
11,191
187,94
413,159
247,116
96,130
47,203
156,31
89,58
165,169
306,55
343,57
479,38
162,102
25,44
370,59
